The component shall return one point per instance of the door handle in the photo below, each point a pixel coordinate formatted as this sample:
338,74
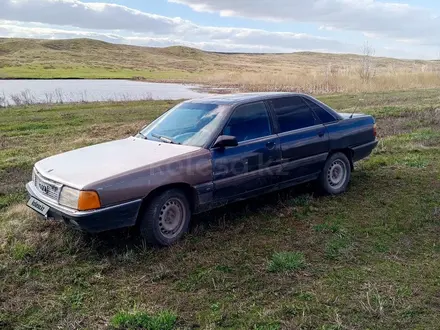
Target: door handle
321,134
270,145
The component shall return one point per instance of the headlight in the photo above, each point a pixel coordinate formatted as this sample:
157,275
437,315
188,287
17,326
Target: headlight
69,197
79,200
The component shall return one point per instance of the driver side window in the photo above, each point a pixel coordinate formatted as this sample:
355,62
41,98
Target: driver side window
249,122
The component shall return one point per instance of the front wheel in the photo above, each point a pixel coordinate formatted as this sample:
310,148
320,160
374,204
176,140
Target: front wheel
166,218
336,175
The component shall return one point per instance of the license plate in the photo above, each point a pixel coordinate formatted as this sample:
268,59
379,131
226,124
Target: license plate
36,205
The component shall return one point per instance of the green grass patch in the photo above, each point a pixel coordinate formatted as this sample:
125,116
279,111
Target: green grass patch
286,262
89,72
267,326
140,320
416,161
327,228
11,198
74,297
21,251
352,261
336,247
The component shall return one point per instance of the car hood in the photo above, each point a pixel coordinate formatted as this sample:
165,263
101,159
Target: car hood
81,167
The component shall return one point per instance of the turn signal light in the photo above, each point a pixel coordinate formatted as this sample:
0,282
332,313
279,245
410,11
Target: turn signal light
375,130
88,200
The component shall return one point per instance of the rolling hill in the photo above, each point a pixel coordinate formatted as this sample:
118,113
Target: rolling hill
86,58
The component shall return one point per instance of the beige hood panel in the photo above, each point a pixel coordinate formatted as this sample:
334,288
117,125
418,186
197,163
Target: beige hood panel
82,167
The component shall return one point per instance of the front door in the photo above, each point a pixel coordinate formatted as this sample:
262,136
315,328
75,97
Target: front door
254,164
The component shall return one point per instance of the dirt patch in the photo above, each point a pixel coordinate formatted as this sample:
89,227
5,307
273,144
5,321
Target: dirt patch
408,122
14,178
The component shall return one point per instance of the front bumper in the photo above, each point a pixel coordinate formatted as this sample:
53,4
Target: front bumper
95,221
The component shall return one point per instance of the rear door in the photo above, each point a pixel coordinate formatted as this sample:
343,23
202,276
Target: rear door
254,164
304,139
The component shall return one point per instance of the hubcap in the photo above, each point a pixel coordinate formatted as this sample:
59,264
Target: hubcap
171,218
337,174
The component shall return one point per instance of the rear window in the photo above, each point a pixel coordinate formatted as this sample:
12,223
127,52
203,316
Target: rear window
293,113
322,114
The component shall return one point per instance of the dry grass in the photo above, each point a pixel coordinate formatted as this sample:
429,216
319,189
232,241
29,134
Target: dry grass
309,72
318,83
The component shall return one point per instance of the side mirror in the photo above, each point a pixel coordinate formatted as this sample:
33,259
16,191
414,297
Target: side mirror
224,141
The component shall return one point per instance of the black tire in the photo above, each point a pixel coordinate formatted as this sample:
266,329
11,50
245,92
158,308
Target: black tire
158,224
336,174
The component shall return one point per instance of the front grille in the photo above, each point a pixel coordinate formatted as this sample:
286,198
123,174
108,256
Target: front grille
47,187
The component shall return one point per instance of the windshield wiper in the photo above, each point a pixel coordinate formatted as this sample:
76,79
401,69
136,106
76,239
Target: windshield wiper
164,138
142,135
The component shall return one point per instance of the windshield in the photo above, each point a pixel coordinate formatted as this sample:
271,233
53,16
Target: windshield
188,123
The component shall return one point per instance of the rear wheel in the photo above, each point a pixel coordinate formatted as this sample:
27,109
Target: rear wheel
336,175
166,218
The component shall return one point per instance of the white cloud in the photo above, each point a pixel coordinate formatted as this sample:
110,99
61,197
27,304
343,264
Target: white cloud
88,15
112,17
42,31
235,40
392,20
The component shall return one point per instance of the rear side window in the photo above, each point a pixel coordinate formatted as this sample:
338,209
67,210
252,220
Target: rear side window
322,114
248,122
293,113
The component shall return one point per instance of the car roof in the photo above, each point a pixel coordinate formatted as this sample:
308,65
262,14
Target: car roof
236,99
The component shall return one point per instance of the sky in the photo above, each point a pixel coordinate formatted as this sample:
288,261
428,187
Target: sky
403,29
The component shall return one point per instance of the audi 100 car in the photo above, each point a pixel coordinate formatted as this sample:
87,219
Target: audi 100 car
199,155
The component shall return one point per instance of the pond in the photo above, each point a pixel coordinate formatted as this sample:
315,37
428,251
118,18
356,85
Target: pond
14,92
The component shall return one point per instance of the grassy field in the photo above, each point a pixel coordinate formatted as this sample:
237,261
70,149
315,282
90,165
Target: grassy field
309,72
368,259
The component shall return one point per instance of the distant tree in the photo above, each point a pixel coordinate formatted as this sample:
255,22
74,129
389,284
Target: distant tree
367,69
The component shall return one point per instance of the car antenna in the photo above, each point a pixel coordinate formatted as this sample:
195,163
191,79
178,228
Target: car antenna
356,107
